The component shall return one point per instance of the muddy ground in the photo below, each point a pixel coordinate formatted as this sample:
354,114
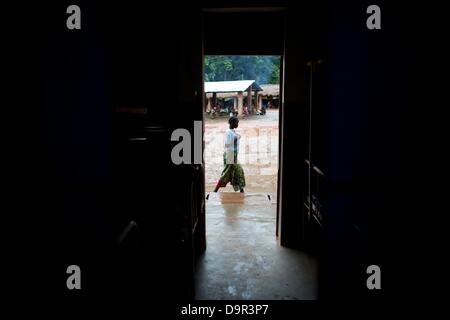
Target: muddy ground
258,152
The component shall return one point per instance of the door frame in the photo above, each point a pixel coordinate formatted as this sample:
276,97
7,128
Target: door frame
279,216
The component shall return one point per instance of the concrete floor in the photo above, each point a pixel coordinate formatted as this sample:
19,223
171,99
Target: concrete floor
243,259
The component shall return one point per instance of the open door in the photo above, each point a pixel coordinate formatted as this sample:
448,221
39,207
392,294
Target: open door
313,198
191,176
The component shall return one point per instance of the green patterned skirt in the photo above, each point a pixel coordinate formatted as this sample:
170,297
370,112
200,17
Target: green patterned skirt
232,173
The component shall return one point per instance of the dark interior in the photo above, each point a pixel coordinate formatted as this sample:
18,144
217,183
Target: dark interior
92,154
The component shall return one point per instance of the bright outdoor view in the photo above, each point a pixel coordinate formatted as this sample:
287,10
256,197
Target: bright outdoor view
246,87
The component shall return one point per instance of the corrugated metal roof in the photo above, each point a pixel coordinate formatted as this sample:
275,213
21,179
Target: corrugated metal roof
267,90
231,86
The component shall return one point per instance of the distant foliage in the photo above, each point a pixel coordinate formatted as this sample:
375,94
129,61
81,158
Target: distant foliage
263,69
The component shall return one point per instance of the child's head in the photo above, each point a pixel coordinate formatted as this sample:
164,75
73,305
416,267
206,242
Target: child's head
234,122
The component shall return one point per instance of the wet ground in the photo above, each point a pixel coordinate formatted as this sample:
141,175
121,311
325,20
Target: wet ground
243,259
258,152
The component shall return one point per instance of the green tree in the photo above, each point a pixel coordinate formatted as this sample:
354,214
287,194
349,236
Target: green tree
263,69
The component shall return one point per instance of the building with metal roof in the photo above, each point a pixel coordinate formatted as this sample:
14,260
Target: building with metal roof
239,86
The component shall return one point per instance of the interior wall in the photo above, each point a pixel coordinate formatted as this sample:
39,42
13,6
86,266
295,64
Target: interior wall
368,80
87,180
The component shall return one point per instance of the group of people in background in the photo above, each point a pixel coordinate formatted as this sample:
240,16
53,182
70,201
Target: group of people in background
221,109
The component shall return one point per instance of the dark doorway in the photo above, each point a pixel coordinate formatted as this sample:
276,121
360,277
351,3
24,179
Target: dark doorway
236,266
